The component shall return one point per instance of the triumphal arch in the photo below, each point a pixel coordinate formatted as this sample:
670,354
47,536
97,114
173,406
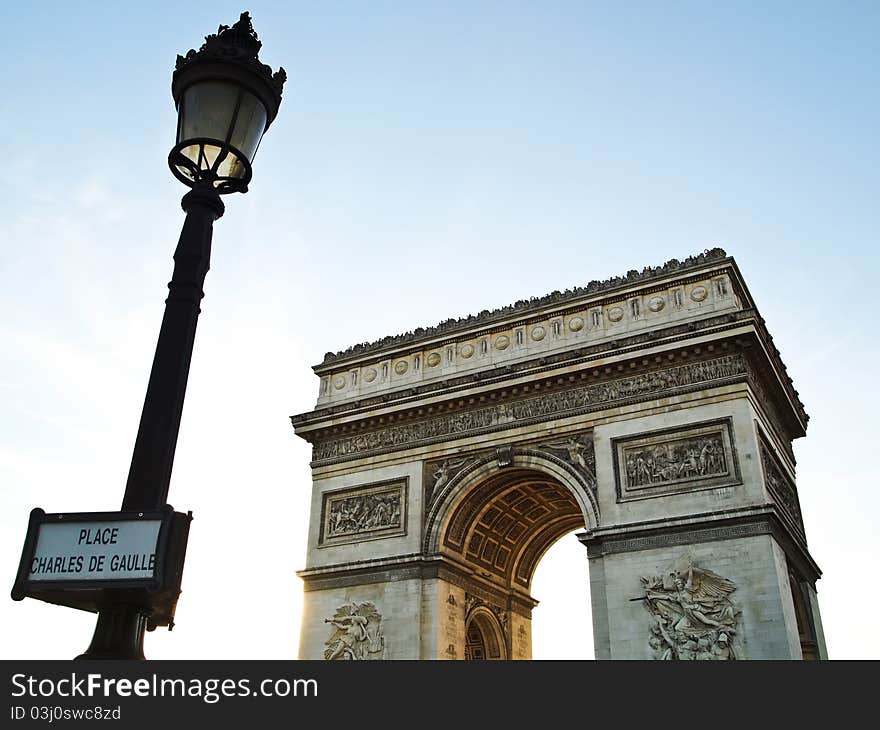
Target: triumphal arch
652,412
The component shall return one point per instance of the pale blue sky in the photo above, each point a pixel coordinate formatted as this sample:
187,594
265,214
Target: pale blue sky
429,160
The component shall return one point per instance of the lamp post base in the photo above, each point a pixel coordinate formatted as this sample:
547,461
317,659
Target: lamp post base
119,634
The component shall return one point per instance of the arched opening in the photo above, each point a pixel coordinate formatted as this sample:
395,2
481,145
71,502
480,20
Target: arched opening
505,523
500,523
484,637
475,646
562,623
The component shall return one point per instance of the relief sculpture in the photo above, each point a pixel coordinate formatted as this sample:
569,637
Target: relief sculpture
650,384
578,451
440,474
675,460
692,616
357,633
780,486
363,513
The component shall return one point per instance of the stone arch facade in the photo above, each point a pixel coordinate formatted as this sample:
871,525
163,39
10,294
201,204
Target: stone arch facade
651,412
490,639
504,524
486,466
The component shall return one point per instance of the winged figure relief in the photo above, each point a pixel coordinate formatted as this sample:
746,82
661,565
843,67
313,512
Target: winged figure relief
694,617
445,471
580,454
357,633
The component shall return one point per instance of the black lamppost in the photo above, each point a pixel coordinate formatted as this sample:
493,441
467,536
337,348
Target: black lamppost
226,99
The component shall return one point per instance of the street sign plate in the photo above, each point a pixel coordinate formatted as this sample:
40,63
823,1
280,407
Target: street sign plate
107,550
94,560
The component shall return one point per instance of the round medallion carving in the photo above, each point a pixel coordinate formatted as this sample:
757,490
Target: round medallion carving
433,360
502,342
370,375
466,351
576,324
401,366
615,314
655,304
699,293
538,333
339,382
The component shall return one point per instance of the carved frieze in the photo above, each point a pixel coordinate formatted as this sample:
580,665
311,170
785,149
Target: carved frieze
557,404
780,485
359,513
356,634
700,456
692,616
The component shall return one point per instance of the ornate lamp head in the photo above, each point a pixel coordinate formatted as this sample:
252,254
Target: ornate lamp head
226,99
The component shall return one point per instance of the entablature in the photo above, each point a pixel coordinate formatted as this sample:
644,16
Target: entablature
412,409
638,351
588,387
560,324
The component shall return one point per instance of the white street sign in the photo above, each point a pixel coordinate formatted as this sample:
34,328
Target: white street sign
110,550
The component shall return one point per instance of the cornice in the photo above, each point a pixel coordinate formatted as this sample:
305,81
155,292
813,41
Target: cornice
527,307
762,519
631,344
716,324
416,566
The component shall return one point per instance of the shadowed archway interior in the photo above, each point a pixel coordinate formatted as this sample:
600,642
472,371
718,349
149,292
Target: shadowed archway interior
484,637
504,524
475,643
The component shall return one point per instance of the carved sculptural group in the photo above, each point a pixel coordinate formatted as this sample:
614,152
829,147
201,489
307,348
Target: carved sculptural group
362,513
357,633
692,615
551,404
672,461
